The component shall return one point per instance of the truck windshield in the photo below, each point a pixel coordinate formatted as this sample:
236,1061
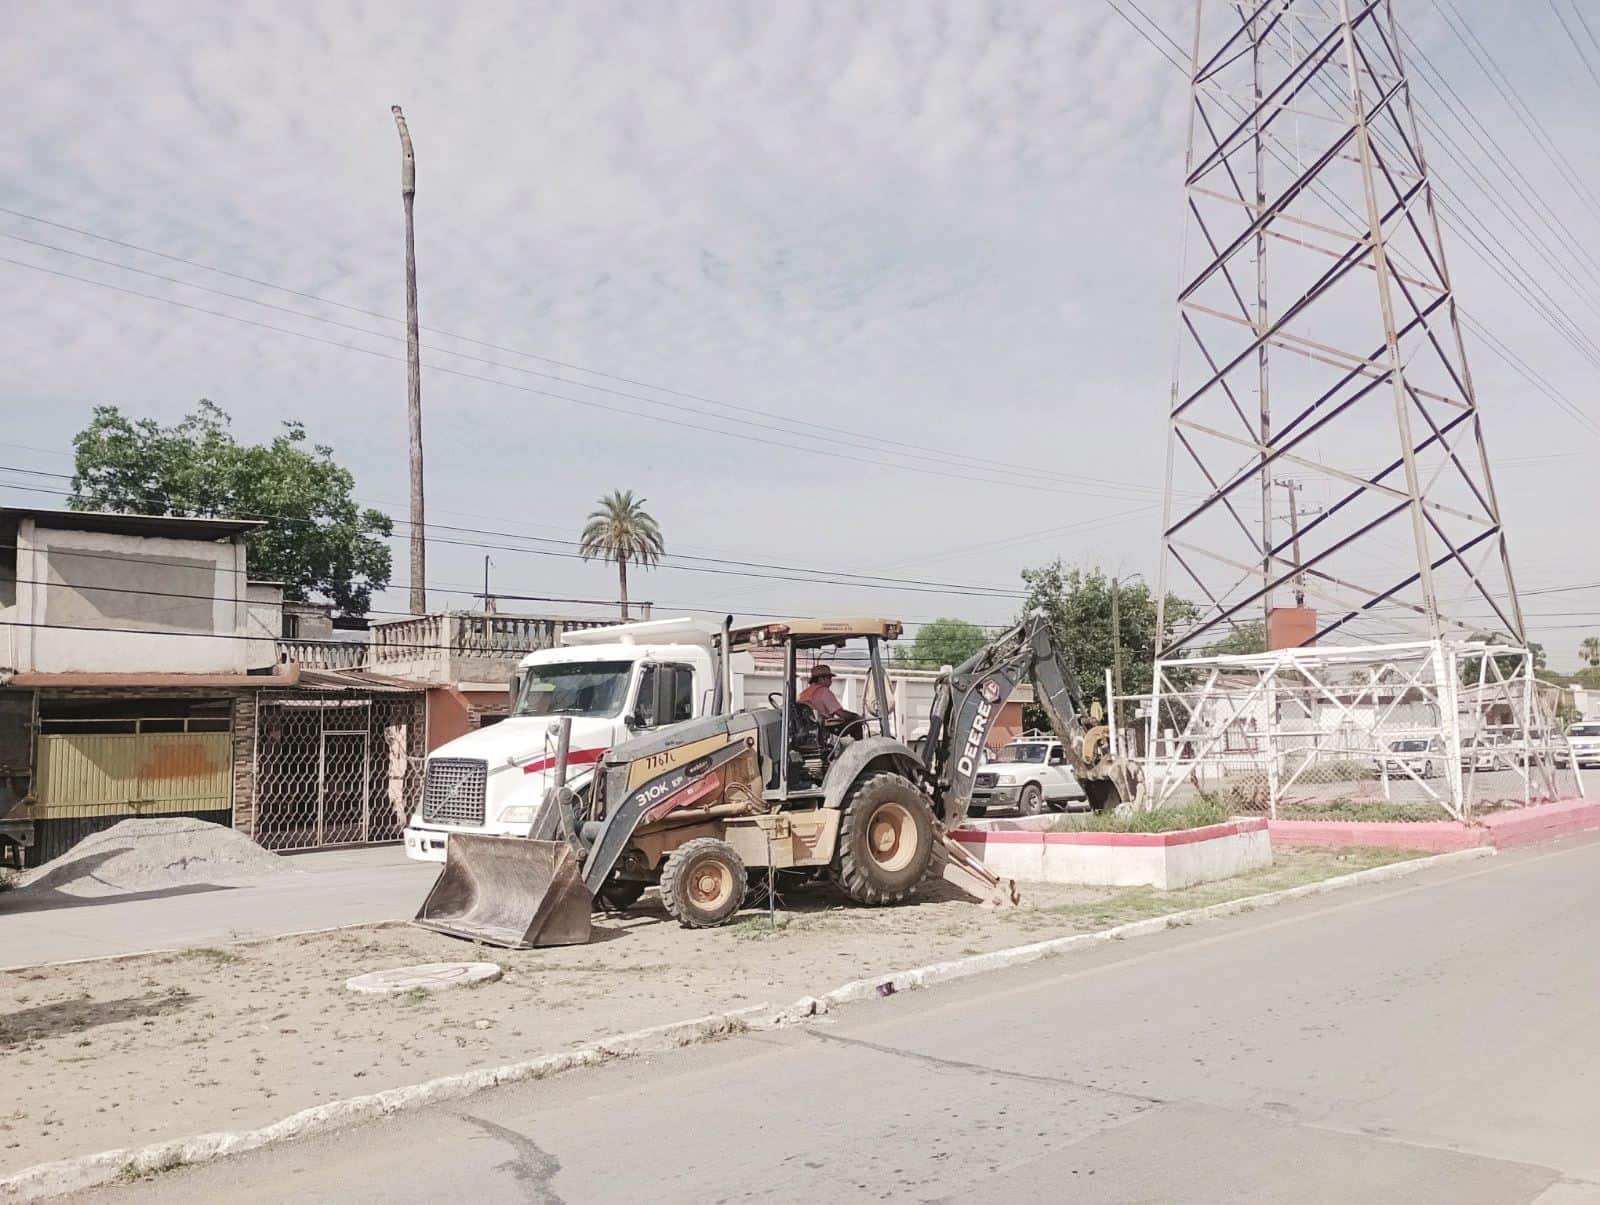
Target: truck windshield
1023,753
594,689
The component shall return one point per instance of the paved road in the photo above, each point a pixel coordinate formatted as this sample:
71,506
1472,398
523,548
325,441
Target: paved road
337,887
1433,1039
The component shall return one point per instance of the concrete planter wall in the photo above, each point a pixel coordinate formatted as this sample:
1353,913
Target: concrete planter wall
1021,850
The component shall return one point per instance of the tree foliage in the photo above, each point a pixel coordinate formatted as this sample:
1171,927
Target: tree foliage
621,530
1590,648
1470,665
1242,638
316,541
940,643
1078,602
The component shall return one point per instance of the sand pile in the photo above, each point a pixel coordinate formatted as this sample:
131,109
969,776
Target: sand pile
154,855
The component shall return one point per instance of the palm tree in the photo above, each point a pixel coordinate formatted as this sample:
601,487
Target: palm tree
1591,649
622,531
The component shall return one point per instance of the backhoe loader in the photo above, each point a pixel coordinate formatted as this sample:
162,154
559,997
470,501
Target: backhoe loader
697,807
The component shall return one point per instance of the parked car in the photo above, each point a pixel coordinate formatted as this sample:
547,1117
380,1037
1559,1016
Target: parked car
1412,756
1030,774
1479,753
1583,745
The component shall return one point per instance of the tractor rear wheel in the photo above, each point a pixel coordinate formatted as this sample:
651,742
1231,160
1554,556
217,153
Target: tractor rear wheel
703,883
885,840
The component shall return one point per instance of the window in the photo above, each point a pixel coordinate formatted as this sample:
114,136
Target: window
1020,752
666,695
591,689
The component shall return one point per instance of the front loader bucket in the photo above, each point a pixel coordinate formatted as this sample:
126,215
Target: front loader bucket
509,891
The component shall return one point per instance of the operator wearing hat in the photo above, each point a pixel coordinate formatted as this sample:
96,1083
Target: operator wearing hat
819,694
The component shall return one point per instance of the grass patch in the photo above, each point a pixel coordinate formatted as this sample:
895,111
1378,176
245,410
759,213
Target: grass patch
1199,813
1371,811
214,956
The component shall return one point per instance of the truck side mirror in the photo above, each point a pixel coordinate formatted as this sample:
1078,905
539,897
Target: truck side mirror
515,688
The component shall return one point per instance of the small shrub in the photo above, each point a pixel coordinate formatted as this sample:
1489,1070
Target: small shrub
1206,810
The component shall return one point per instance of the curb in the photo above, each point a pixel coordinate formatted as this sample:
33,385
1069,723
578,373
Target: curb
81,1172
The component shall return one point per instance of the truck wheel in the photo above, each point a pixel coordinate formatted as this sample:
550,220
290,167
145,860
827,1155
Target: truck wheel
619,895
1031,800
704,883
885,840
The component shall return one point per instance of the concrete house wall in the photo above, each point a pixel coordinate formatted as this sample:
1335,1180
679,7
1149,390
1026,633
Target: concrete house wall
95,601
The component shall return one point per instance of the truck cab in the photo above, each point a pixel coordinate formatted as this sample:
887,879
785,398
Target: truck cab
1031,774
615,683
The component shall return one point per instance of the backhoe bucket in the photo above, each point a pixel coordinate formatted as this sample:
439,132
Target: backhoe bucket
511,892
955,865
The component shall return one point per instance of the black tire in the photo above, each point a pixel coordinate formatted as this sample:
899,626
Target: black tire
1030,800
1103,794
703,883
620,894
885,840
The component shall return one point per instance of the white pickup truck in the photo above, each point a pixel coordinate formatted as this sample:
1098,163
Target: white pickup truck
614,683
1030,774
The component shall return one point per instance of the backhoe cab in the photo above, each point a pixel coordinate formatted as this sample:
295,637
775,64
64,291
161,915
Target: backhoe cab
698,807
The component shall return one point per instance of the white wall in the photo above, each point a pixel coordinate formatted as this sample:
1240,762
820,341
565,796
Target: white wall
91,602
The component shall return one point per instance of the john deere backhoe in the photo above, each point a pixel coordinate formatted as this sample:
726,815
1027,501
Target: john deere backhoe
698,806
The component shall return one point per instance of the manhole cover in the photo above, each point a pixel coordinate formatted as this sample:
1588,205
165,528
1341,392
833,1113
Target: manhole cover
429,977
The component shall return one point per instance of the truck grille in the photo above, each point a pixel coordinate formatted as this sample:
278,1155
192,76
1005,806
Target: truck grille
984,780
453,790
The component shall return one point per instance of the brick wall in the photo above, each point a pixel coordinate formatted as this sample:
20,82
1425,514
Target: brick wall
244,761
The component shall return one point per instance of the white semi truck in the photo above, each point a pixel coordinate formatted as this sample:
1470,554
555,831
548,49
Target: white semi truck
614,683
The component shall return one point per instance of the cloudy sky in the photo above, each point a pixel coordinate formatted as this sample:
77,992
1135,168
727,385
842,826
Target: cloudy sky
880,289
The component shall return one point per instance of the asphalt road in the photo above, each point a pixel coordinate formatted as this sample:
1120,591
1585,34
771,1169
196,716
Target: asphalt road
1433,1039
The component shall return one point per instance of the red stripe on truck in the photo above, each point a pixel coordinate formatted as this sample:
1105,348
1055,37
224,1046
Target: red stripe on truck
575,757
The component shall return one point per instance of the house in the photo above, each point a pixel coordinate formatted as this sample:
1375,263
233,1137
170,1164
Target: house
140,675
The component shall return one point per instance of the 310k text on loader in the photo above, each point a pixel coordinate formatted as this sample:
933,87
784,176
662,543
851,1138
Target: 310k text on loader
698,806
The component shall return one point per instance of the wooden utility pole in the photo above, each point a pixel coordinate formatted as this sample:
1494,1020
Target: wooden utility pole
1292,488
408,192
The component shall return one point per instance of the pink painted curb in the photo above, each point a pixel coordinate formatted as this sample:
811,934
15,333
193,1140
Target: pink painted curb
1502,830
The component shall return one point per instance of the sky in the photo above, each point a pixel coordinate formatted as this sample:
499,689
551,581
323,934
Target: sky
879,289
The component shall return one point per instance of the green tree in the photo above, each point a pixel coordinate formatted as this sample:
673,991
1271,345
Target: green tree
1470,665
1590,648
621,530
1078,602
1243,638
316,541
942,642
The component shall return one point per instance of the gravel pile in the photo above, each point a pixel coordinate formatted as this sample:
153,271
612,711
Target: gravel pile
155,854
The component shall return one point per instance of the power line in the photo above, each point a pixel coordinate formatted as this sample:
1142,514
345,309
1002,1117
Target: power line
807,426
1576,45
1496,346
878,581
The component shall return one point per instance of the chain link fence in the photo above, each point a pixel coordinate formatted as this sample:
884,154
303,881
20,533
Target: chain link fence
337,769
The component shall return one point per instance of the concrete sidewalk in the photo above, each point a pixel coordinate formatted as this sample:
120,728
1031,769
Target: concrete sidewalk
337,887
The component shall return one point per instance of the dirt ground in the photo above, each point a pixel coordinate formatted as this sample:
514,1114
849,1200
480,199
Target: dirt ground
118,1053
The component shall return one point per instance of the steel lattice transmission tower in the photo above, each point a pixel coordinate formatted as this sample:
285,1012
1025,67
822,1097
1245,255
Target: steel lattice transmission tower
1318,341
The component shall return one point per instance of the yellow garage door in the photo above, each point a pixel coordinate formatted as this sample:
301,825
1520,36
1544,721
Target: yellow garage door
133,774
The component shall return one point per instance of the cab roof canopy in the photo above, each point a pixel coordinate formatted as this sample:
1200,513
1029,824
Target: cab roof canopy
814,633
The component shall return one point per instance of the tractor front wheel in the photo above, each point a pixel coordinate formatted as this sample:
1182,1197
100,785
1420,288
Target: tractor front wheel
885,840
703,883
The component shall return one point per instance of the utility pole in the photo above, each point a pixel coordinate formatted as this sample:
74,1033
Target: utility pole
1116,640
486,563
1293,488
408,192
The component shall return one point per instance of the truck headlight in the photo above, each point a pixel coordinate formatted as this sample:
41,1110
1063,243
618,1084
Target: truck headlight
1004,780
521,814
